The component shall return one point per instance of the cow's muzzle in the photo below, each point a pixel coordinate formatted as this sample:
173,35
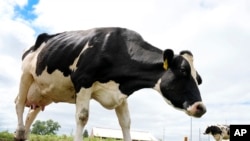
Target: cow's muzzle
196,110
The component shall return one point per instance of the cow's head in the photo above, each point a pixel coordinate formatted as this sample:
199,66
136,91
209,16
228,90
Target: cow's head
212,130
179,83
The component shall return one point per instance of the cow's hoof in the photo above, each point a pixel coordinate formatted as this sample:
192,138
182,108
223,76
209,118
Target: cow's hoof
15,139
20,135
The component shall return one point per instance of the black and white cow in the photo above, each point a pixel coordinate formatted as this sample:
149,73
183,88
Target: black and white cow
105,64
219,132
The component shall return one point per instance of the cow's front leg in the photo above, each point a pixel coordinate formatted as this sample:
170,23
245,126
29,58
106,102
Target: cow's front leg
82,111
218,137
122,113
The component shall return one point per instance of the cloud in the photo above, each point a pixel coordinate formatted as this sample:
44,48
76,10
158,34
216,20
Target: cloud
15,35
217,32
72,15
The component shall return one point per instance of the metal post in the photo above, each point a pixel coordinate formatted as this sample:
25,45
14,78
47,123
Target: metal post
199,134
191,129
163,138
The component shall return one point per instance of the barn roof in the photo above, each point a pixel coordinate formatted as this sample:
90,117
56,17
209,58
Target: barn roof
117,134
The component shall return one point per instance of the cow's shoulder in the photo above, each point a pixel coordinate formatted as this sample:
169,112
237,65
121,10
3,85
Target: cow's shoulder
41,38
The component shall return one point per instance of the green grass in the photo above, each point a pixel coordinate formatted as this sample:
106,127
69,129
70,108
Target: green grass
6,136
50,138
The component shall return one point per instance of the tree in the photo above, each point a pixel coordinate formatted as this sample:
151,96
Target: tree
85,133
48,127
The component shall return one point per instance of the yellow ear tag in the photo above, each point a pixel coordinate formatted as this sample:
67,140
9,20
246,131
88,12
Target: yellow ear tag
165,64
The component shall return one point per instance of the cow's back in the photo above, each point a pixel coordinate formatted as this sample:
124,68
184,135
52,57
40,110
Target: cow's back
61,50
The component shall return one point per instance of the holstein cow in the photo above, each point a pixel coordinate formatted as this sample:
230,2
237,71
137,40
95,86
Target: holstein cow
219,132
105,64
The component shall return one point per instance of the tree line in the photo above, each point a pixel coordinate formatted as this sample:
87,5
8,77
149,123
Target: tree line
48,127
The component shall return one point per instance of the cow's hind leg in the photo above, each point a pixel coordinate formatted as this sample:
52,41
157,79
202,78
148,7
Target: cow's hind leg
25,82
82,111
122,113
30,118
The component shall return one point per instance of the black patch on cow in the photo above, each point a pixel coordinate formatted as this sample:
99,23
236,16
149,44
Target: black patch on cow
213,130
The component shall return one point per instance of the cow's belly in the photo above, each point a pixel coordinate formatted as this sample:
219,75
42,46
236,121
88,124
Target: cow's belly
53,87
108,94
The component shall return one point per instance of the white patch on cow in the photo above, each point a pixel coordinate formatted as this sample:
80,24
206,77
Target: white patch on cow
190,60
73,66
217,137
104,44
108,94
225,129
54,87
29,62
157,86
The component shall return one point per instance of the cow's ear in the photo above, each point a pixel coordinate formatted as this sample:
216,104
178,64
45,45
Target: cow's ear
168,55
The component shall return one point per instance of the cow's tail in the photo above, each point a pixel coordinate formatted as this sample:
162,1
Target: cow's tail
44,37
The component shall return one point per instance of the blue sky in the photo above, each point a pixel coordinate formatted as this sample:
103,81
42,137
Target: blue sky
26,11
217,33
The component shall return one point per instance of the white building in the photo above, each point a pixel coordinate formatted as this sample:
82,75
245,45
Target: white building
117,134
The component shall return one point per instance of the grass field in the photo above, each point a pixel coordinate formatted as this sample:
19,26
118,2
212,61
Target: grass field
6,136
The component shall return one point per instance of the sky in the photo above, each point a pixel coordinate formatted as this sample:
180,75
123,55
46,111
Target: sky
217,32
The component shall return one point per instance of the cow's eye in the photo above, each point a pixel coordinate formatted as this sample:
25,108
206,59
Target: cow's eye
182,70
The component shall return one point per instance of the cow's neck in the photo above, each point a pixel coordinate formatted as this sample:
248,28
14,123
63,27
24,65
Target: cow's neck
143,72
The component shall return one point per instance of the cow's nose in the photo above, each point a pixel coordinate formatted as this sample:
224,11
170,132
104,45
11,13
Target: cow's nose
200,109
197,109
